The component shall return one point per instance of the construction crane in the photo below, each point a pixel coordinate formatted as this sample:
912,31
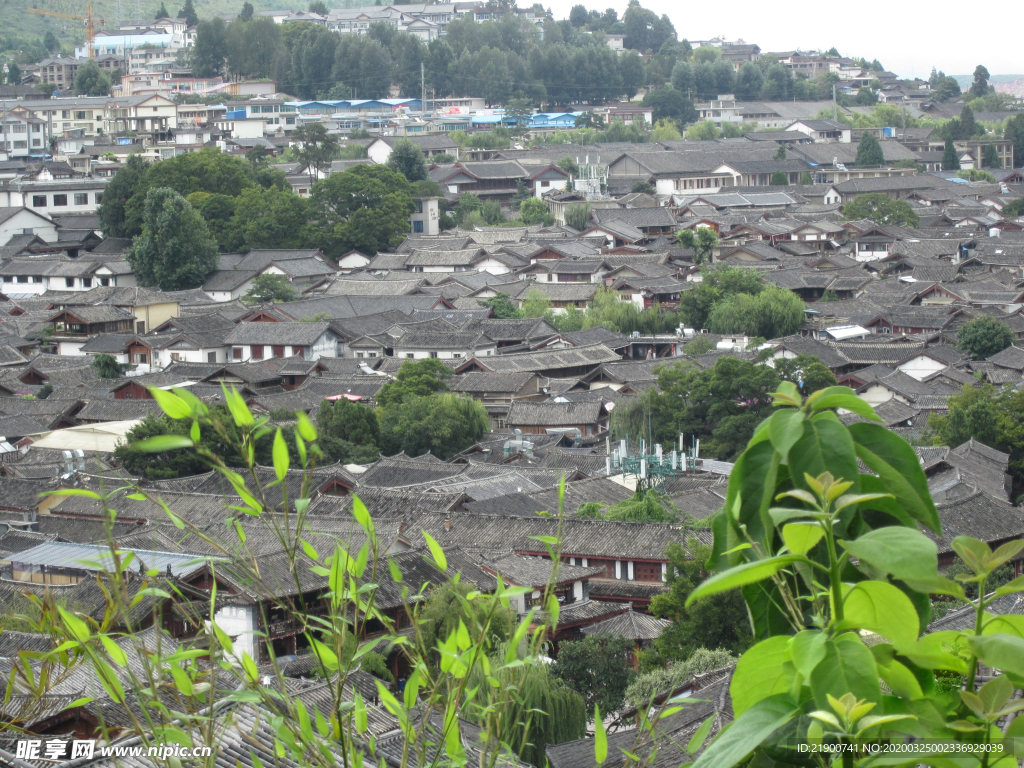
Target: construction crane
89,19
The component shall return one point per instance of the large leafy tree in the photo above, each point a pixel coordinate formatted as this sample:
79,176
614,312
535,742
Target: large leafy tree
113,211
315,148
769,314
983,337
106,366
718,623
417,378
702,241
312,60
441,424
210,49
979,87
270,288
501,304
696,303
348,431
882,209
217,211
90,80
597,668
268,218
175,250
253,46
407,159
366,207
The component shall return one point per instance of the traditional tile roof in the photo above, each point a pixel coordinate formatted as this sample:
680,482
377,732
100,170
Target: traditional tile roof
551,414
630,625
276,333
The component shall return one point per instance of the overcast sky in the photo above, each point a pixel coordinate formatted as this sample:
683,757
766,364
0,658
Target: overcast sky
905,38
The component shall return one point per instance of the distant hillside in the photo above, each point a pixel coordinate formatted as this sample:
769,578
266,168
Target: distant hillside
18,23
966,80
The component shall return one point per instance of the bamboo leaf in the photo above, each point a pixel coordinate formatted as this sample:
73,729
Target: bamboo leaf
280,454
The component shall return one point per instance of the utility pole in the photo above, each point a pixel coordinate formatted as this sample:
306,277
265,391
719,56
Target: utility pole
835,110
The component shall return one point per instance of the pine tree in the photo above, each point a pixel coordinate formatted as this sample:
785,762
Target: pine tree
162,11
992,157
869,152
188,13
968,127
950,158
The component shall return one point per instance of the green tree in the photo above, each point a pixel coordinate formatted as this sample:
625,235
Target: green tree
597,668
719,623
974,413
647,685
270,288
779,179
533,211
644,187
578,216
518,112
703,130
771,313
991,158
415,379
749,82
650,506
175,250
113,211
268,218
319,7
806,371
90,80
882,209
670,104
869,152
696,303
442,424
348,432
106,366
315,148
979,87
217,211
969,128
188,13
502,306
534,304
162,12
701,240
222,441
210,49
983,337
407,159
13,73
50,42
1014,132
578,16
366,207
1012,209
950,157
247,11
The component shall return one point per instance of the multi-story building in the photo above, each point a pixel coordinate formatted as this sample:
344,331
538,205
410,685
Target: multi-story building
21,135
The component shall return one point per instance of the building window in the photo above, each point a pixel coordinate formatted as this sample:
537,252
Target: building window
87,282
417,226
211,357
176,356
236,353
409,355
60,200
38,201
278,350
81,198
104,281
140,358
140,326
257,352
69,282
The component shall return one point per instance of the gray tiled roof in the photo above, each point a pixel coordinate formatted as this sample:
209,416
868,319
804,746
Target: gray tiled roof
276,333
